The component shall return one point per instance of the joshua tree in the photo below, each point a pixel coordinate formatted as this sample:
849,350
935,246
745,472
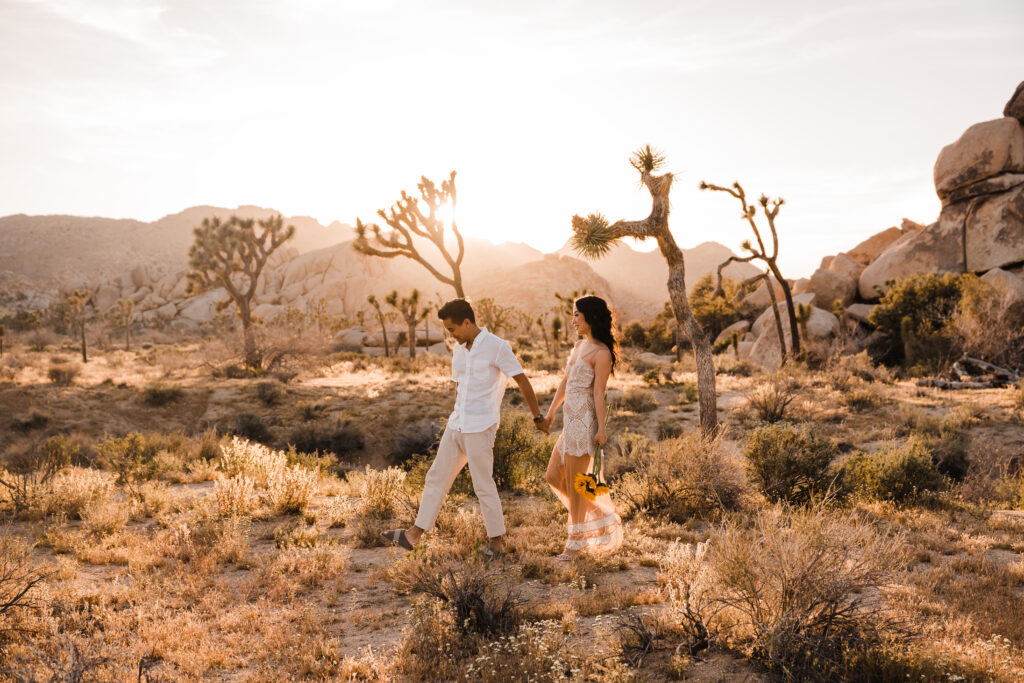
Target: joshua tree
408,308
407,221
76,305
761,253
232,254
492,314
748,285
803,316
3,331
593,237
125,311
372,300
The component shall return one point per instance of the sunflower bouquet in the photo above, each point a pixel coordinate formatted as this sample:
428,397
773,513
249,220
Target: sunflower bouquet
589,484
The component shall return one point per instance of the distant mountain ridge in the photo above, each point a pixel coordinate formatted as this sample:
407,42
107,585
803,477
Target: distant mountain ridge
59,252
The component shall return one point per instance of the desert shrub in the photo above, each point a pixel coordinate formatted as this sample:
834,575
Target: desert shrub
634,335
381,493
296,534
861,398
842,369
310,411
342,438
795,584
432,649
323,463
788,463
159,394
670,429
652,376
661,332
74,489
30,422
1018,397
680,478
913,319
206,539
269,393
897,473
715,313
28,473
234,496
689,584
638,400
771,399
104,517
947,444
520,452
989,323
253,460
19,578
252,427
292,489
63,375
417,438
132,456
535,652
687,393
475,597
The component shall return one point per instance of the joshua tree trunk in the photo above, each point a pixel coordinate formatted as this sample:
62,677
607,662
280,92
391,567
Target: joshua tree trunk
412,339
81,327
593,237
380,317
252,356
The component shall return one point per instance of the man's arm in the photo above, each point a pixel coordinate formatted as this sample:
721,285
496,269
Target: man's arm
526,389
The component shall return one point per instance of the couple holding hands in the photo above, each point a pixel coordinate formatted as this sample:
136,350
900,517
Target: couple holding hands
481,364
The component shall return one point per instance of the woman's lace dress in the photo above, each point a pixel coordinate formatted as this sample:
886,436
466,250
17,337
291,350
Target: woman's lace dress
591,524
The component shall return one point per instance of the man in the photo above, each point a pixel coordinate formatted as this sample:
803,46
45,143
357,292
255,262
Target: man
481,362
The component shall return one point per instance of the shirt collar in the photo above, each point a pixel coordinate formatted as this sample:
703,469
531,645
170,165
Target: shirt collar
480,335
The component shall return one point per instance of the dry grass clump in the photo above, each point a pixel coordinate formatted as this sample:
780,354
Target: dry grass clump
253,460
159,394
63,374
535,652
797,587
382,493
292,489
771,399
637,400
235,495
788,463
204,541
680,478
104,517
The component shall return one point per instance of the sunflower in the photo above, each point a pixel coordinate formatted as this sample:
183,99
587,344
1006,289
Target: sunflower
602,489
585,485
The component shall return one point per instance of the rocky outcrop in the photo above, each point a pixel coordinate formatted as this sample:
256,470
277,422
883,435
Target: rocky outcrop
987,149
829,287
1007,284
1015,105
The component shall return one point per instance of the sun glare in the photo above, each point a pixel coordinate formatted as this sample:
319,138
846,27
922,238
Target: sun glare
446,212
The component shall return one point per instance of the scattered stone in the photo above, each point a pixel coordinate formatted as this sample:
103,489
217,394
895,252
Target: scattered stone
860,312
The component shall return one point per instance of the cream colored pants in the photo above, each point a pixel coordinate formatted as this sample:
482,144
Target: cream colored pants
455,449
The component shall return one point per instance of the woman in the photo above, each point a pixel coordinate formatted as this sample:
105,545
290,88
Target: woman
592,524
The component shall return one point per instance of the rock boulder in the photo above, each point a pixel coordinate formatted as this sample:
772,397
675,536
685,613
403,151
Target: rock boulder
984,150
829,286
1015,105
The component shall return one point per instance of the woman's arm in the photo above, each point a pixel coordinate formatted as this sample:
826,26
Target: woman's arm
602,370
549,418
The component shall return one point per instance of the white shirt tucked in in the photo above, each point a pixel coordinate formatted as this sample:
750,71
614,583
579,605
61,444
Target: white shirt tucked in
481,374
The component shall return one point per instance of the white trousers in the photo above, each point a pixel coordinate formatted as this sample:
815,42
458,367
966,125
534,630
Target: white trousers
454,451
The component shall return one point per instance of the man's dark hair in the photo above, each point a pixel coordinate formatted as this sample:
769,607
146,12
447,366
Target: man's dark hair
457,310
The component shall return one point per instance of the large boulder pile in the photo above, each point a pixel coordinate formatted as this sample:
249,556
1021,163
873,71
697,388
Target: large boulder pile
980,182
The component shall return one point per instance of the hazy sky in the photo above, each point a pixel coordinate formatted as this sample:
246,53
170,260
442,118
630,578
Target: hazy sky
330,108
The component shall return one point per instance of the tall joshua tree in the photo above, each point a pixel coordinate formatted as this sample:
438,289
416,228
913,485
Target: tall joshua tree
407,221
232,254
761,253
412,314
372,300
77,315
593,237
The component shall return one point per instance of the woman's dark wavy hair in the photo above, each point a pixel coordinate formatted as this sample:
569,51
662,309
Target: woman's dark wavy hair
597,314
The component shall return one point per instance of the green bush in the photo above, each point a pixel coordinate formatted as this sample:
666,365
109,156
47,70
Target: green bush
789,463
670,429
652,376
63,375
899,473
521,453
715,313
635,335
661,332
914,320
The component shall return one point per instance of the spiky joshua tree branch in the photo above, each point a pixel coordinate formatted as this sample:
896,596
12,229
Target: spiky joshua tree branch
407,220
408,308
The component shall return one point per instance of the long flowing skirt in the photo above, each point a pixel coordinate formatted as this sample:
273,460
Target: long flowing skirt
593,525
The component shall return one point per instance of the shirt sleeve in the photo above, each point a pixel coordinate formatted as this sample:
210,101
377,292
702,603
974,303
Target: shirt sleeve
455,364
507,361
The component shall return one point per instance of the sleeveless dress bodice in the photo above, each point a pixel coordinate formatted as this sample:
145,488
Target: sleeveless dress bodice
579,418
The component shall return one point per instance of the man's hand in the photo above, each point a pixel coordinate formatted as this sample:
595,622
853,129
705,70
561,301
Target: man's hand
543,425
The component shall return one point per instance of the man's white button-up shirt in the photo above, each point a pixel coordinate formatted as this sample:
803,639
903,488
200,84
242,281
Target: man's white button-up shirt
481,374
